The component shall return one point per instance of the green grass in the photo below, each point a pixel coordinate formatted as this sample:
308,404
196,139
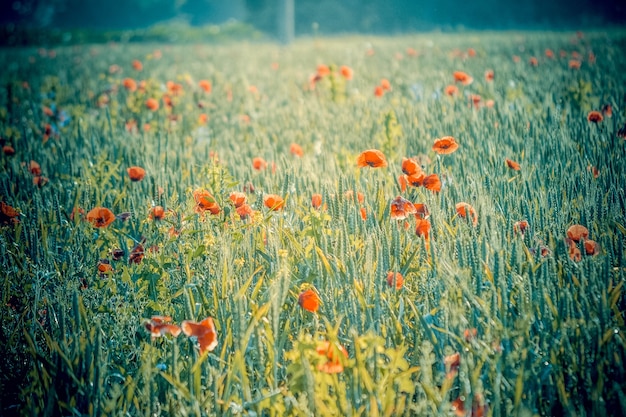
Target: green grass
550,330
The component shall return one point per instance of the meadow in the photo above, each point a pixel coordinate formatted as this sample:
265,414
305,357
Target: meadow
215,229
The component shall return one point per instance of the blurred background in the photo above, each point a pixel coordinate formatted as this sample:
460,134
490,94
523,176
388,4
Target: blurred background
284,18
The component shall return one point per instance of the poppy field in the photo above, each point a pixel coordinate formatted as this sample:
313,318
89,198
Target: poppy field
431,224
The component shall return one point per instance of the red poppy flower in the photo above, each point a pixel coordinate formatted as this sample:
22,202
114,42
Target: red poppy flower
273,202
346,72
137,65
158,326
136,173
238,198
152,104
316,200
462,77
296,150
574,64
8,150
445,145
309,300
520,226
205,202
100,217
385,84
577,232
432,182
592,247
395,278
8,214
595,116
410,166
129,84
205,85
533,61
513,165
489,75
333,364
136,254
401,208
422,227
372,158
466,210
451,90
379,91
244,211
259,163
157,213
203,331
323,70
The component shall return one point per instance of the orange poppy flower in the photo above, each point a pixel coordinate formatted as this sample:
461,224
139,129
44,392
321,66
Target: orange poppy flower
323,70
445,145
205,85
34,168
516,59
203,331
157,213
422,227
136,254
466,210
104,267
411,52
385,84
379,91
7,213
471,52
401,208
346,72
592,247
577,232
137,65
129,84
520,226
350,195
575,254
470,334
513,165
296,150
8,150
395,277
432,183
549,53
333,364
574,64
203,118
489,75
244,211
595,116
533,61
100,217
158,326
259,163
410,166
372,158
238,198
309,300
273,202
462,77
479,407
152,104
205,202
451,90
136,173
363,213
316,200
416,180
421,211
402,181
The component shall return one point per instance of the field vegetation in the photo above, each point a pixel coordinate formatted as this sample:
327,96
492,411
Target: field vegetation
431,224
